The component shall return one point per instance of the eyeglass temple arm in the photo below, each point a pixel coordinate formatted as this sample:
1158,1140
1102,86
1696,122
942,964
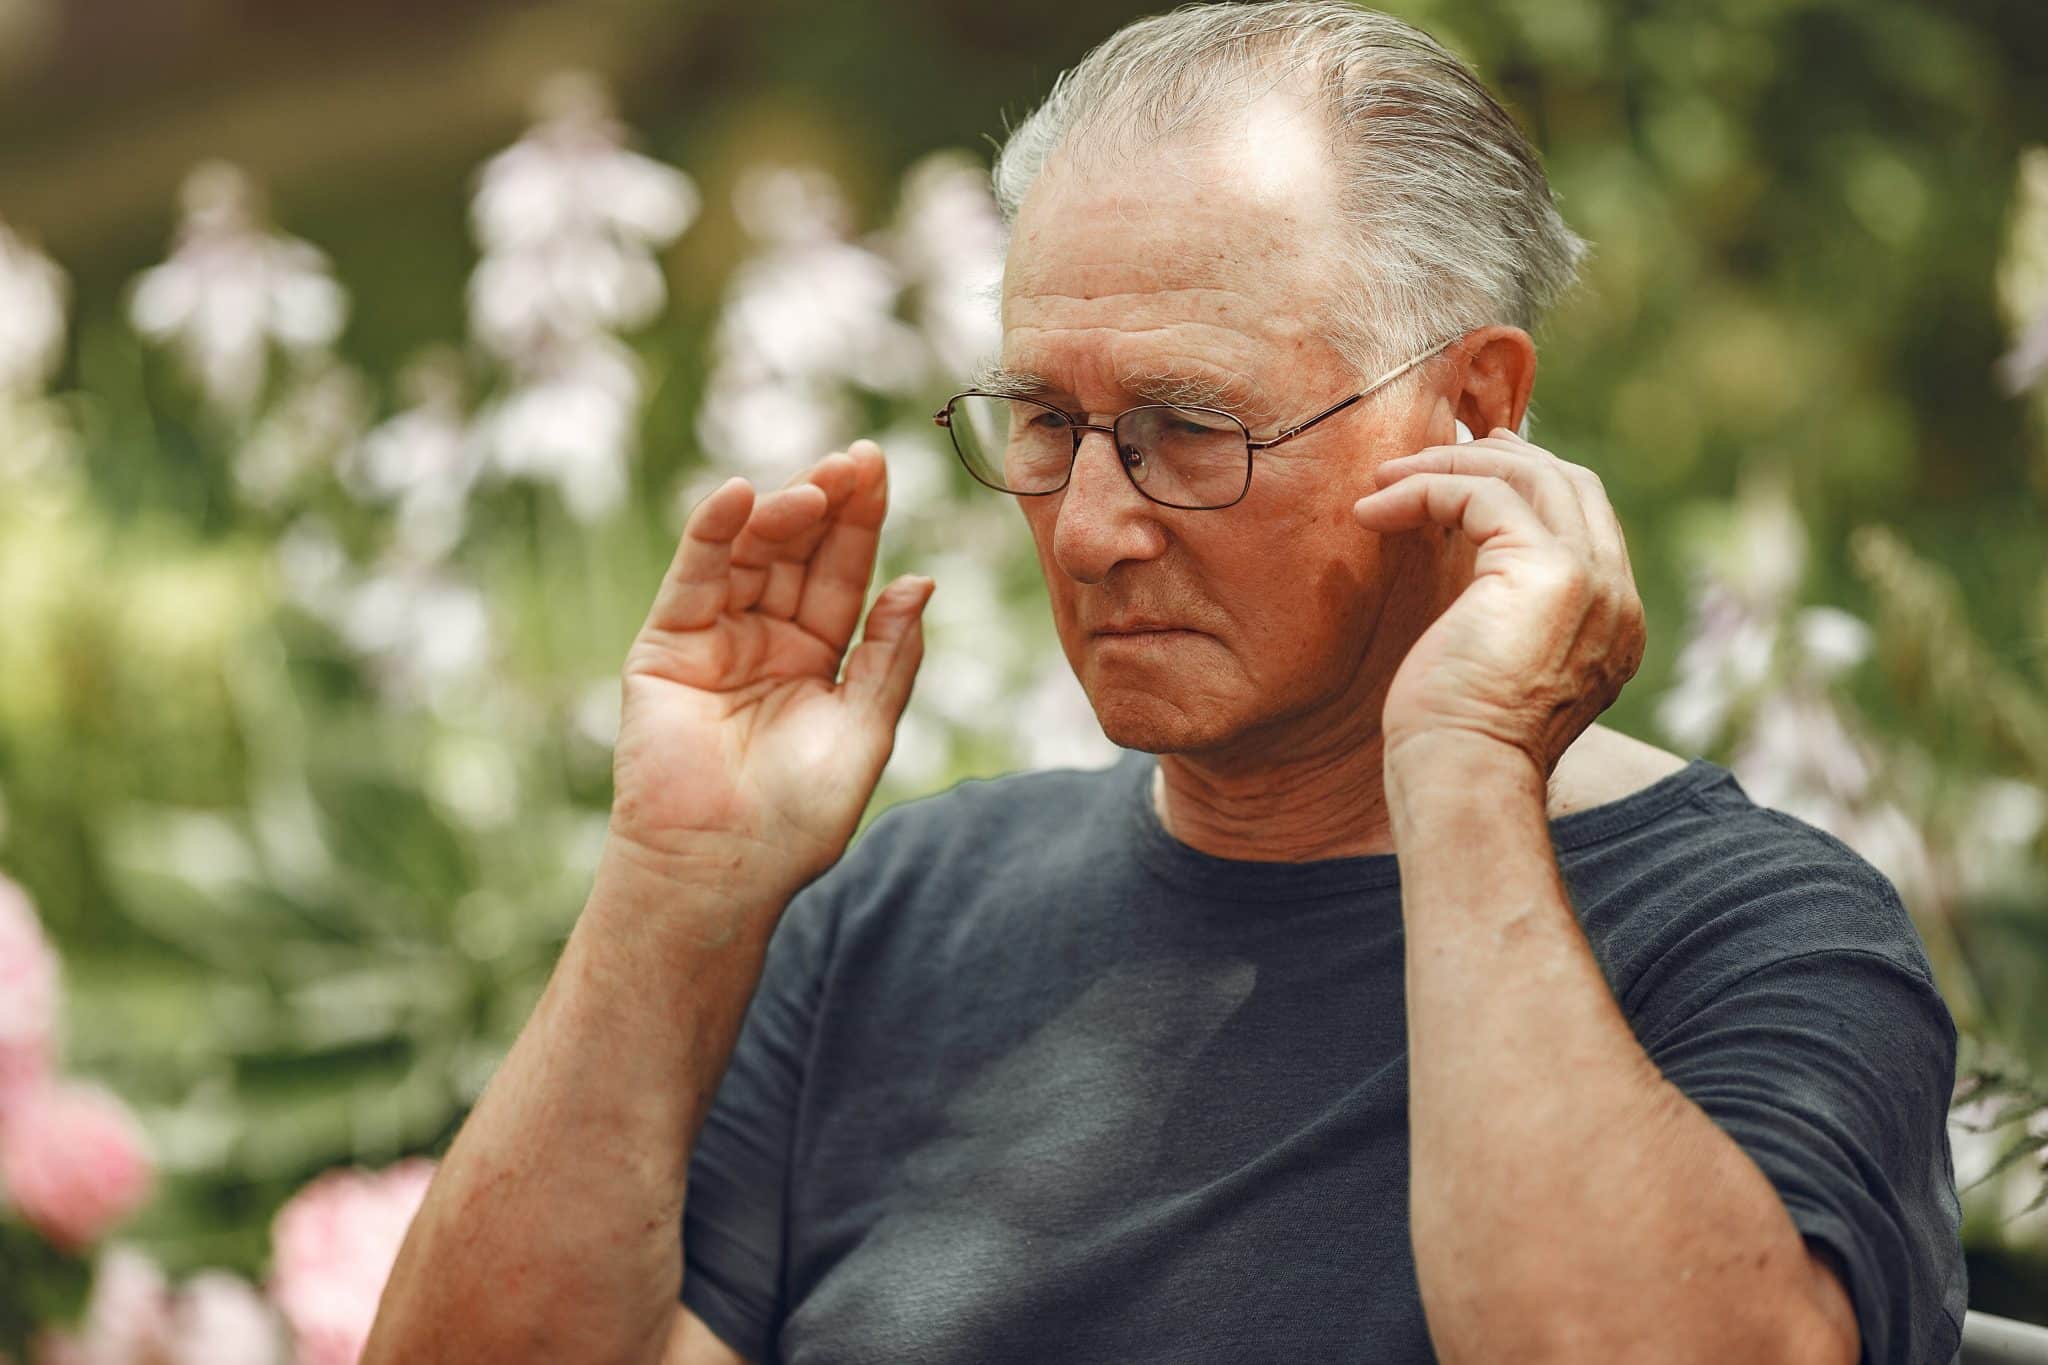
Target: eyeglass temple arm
1300,427
1368,391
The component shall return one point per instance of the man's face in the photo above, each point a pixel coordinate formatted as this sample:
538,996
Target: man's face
1213,265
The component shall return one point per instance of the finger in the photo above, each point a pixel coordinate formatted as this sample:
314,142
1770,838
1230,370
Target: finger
837,582
832,475
1485,509
881,668
698,582
1603,526
1539,476
785,524
1603,523
756,558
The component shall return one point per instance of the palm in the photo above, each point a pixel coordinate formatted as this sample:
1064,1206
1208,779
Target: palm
734,722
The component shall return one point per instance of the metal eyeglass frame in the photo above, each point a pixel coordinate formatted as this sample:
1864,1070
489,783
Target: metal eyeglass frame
944,417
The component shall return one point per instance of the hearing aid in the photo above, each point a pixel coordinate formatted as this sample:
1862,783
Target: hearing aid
1464,432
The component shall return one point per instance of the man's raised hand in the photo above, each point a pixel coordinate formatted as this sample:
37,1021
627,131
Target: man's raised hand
740,745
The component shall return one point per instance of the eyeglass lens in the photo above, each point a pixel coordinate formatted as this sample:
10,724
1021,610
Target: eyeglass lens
1185,457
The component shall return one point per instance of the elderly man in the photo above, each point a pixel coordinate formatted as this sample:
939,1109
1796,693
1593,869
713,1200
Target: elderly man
1395,1011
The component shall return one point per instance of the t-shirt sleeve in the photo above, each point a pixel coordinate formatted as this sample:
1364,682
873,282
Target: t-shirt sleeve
733,1207
1832,1067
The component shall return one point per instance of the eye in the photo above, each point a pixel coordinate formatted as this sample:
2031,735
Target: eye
1185,422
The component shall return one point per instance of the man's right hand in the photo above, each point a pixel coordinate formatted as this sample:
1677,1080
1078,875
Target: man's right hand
740,748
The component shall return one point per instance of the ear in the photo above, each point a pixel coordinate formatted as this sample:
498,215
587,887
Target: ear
1499,373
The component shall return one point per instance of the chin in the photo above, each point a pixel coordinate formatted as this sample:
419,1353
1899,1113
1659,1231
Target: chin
1160,725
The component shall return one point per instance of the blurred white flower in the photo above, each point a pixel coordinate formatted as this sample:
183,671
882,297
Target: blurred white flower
2023,278
810,317
969,650
821,311
309,429
923,748
33,297
770,428
1760,672
570,422
133,1317
1056,725
1797,754
791,206
423,632
231,288
1831,641
127,1314
1726,657
425,458
948,241
219,1319
569,219
921,463
1995,836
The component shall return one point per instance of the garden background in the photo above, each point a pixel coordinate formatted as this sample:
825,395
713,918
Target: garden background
358,363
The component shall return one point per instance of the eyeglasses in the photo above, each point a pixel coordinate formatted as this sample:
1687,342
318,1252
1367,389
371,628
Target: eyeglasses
1193,458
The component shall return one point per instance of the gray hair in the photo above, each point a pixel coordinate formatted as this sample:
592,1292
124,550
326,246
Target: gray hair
1452,222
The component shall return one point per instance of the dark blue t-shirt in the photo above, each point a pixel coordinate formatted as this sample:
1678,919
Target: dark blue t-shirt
1026,1079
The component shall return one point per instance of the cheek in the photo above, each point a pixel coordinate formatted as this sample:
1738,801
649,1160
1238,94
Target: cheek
1319,581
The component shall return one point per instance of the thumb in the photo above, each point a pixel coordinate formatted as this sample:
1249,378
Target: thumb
881,667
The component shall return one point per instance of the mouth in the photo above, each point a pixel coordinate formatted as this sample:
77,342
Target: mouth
1144,634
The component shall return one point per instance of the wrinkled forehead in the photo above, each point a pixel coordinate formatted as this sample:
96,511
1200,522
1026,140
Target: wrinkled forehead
1235,224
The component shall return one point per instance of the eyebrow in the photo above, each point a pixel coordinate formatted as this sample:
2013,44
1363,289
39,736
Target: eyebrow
1182,388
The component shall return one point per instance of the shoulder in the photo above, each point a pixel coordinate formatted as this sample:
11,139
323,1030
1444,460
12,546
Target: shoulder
1604,765
1715,887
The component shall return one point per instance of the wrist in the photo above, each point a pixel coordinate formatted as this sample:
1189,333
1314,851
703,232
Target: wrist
1459,765
669,899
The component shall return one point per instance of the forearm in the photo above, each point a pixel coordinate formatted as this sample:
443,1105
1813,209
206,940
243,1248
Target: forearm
552,1229
1567,1202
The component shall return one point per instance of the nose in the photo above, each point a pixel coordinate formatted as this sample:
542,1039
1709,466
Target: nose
1102,519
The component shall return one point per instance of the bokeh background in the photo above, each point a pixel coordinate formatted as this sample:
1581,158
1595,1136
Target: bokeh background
359,362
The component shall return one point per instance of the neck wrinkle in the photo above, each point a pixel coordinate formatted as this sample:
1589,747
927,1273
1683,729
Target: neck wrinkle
1331,804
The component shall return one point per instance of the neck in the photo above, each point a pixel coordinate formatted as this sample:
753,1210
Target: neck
1300,807
1327,801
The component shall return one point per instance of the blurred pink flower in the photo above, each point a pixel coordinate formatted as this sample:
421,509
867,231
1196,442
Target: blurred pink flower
133,1318
73,1161
28,997
332,1248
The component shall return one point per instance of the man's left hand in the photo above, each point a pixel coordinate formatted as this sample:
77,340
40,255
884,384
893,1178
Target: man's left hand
1551,626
